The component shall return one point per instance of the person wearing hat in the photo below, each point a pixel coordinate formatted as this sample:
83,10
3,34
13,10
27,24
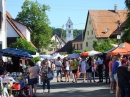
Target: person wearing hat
123,74
74,68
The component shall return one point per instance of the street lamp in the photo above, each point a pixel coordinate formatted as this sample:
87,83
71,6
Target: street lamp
119,35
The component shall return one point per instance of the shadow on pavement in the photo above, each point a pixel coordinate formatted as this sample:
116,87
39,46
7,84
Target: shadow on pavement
79,93
64,85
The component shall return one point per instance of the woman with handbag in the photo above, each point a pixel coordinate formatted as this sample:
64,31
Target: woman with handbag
45,70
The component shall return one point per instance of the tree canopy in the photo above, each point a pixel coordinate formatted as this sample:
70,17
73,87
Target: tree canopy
23,44
103,45
77,51
34,16
126,36
58,32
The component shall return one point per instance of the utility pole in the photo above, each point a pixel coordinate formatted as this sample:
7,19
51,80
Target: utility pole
61,36
3,33
62,31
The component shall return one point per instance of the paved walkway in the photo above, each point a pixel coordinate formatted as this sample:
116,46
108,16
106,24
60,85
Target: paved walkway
79,89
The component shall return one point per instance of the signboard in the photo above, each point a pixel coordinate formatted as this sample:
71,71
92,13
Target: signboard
118,36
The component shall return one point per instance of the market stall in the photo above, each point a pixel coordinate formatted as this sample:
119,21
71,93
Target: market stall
123,48
15,55
14,85
15,82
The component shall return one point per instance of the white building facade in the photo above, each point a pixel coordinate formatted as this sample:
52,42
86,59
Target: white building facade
69,30
3,39
59,43
24,30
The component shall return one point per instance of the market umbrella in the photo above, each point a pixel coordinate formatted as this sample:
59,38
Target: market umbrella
90,53
93,52
74,55
15,52
123,48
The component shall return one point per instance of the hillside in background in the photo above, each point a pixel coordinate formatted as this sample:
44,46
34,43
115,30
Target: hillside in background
58,32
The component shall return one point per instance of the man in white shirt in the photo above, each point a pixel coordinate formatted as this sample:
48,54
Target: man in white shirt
48,63
58,65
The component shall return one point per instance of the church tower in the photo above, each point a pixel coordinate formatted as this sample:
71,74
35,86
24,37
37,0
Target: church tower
69,30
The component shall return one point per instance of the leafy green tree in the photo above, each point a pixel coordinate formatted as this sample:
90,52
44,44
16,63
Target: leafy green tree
126,36
23,44
34,16
35,59
103,45
127,2
58,32
77,32
86,50
77,51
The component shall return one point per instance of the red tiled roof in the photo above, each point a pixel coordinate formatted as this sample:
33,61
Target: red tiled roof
102,19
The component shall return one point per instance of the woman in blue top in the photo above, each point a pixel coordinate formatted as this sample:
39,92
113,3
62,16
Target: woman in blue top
116,64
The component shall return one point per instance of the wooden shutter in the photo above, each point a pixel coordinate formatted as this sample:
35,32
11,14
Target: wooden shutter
0,20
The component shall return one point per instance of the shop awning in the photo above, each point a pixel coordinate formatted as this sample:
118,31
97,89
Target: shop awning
9,52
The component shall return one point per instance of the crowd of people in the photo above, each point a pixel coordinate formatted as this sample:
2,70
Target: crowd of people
115,70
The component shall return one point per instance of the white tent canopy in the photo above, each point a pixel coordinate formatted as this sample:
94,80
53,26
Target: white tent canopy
74,55
56,55
45,56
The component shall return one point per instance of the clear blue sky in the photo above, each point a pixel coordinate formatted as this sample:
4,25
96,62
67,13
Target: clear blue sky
62,9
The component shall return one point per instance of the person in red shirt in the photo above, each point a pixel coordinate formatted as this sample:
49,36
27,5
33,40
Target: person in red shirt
111,76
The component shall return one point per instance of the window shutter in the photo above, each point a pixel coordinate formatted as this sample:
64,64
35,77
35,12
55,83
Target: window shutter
0,20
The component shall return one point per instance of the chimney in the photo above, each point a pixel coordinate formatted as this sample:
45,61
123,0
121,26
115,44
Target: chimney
115,8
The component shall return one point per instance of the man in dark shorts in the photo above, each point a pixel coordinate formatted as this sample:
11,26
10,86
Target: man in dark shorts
74,67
